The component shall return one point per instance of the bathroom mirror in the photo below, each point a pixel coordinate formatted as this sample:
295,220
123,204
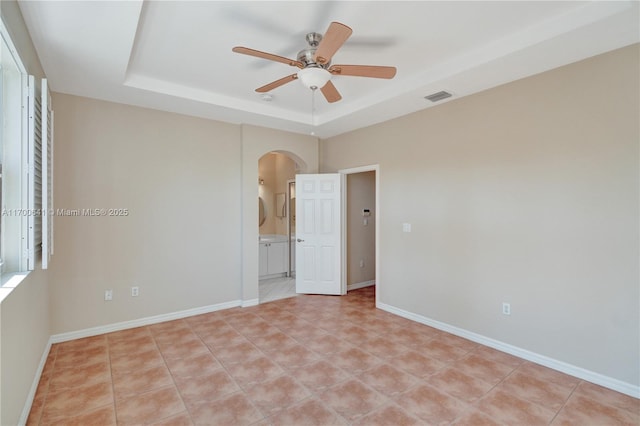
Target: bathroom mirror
262,211
280,205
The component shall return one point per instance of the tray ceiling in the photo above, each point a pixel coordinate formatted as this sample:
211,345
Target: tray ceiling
176,55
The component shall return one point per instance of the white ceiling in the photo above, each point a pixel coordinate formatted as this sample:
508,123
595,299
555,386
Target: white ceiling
176,55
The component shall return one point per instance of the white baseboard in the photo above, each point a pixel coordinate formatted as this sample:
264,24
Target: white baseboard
34,386
95,331
272,276
579,372
363,284
250,302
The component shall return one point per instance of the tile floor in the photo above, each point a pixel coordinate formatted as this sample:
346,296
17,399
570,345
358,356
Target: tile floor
308,360
276,289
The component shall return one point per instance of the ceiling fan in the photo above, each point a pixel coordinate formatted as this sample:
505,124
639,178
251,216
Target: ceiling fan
315,63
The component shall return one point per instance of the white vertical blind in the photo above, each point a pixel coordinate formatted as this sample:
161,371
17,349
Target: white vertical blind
47,175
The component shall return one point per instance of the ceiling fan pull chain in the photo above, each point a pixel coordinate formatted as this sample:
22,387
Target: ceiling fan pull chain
313,107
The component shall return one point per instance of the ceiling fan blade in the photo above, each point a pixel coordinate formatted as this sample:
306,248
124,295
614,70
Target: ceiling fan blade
277,83
363,71
335,37
330,92
269,56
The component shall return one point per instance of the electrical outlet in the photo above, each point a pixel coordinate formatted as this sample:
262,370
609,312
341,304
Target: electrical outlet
506,308
108,295
135,291
362,263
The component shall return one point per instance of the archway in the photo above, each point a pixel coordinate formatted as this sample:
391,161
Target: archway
256,142
276,254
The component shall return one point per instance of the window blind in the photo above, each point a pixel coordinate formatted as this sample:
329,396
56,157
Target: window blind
47,175
34,175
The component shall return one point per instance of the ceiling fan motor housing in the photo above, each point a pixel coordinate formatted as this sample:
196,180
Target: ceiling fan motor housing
306,56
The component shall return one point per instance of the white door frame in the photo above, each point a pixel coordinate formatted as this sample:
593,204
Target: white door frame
289,182
343,178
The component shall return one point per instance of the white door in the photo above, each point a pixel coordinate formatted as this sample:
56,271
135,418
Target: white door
317,236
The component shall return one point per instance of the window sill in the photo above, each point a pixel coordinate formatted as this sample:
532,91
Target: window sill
9,282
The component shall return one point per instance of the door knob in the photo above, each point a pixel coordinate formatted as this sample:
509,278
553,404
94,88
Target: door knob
299,240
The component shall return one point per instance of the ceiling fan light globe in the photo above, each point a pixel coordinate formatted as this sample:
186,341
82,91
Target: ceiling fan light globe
314,78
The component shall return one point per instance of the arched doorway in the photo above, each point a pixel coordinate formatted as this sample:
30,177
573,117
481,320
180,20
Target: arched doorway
276,251
256,142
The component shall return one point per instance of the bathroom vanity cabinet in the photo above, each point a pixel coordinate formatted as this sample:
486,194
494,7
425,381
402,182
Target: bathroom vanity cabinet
273,258
293,254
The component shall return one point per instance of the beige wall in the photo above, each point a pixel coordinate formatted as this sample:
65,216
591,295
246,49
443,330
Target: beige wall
24,316
527,194
179,177
361,239
24,313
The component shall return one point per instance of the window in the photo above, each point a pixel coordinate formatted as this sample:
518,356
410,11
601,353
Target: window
12,151
25,163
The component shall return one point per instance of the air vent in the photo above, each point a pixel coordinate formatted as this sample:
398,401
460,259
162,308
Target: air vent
435,97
